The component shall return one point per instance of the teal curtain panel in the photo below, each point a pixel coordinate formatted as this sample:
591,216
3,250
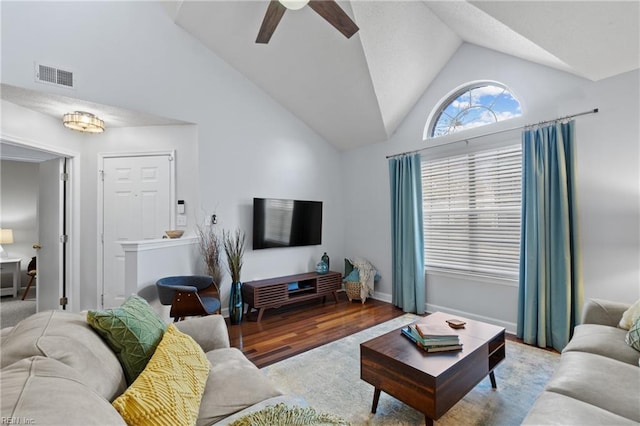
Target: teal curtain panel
407,240
550,282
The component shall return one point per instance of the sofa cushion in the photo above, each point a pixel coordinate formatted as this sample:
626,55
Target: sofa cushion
66,337
603,382
132,330
45,391
170,388
556,409
233,384
602,340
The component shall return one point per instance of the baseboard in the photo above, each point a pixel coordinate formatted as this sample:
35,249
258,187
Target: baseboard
510,327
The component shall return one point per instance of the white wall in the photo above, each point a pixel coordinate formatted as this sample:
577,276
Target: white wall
18,210
608,180
247,144
130,140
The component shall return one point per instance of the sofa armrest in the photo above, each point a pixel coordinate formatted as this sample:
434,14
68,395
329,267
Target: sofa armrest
604,312
210,331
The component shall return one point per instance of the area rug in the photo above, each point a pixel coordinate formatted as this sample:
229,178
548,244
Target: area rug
328,377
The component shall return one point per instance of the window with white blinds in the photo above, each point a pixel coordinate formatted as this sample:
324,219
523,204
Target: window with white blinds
471,206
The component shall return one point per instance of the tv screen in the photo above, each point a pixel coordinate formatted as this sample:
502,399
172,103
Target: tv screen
286,223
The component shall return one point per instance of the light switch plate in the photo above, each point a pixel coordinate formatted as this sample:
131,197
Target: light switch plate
182,220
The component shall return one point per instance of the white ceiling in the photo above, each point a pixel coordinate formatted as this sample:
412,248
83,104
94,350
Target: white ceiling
357,91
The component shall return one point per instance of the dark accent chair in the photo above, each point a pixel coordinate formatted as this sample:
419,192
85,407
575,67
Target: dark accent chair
189,295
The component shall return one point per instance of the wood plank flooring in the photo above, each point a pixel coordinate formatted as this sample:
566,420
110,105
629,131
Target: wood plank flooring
293,329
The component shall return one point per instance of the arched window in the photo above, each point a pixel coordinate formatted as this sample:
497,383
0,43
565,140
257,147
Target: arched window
475,105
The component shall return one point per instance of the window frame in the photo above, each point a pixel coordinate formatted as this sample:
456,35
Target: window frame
444,103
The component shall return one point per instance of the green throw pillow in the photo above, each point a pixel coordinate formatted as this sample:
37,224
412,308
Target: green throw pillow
633,336
132,331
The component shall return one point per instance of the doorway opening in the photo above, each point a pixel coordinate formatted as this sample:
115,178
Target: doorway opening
42,208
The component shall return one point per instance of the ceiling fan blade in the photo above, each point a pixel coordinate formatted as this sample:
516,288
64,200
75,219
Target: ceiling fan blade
270,22
333,14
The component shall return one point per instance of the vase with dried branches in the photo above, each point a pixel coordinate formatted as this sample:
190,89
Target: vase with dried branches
211,249
234,249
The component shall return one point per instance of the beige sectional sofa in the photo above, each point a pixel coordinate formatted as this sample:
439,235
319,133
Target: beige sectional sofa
598,379
56,370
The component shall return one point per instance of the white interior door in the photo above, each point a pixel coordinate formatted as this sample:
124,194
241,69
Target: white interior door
49,256
136,206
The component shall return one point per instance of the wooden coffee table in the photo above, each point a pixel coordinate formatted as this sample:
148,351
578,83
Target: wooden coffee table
431,383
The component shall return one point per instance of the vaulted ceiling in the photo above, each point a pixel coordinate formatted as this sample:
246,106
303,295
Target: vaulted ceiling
357,91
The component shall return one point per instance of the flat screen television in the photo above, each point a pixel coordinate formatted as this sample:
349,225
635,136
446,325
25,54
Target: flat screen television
286,223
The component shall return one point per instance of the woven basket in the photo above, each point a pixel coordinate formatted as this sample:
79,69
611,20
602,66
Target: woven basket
353,290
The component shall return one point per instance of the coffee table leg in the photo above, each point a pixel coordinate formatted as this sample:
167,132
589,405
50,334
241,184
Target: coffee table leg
492,377
376,397
428,421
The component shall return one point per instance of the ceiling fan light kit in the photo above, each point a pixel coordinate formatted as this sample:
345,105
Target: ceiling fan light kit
328,9
83,122
294,4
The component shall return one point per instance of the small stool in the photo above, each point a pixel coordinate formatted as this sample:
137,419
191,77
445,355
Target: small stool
31,271
32,274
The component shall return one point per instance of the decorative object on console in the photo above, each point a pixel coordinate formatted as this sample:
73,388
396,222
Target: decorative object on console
234,249
210,246
174,233
6,237
325,259
322,267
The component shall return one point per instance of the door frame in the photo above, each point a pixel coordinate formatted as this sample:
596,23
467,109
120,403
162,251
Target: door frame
72,267
100,228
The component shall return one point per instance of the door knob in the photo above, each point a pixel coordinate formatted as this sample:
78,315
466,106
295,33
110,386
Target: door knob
37,246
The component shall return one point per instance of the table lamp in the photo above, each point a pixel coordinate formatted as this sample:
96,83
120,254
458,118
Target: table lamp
6,237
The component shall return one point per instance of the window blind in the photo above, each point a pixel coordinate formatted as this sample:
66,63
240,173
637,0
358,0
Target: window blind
472,210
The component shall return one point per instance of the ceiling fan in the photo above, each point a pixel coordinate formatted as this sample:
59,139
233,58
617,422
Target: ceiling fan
328,9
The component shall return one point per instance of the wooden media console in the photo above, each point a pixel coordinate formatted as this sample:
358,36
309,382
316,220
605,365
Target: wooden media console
280,291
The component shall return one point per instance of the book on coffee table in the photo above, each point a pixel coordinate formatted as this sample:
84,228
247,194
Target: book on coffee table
435,331
437,345
443,340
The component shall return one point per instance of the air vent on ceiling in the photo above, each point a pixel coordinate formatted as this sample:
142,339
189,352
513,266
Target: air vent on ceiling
51,75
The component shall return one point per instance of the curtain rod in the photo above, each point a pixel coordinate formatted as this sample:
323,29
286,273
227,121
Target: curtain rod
592,111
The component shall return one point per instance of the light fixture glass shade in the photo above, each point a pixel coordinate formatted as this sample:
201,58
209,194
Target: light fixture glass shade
294,4
6,236
83,122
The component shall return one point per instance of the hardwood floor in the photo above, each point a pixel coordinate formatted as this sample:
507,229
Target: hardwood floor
293,329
